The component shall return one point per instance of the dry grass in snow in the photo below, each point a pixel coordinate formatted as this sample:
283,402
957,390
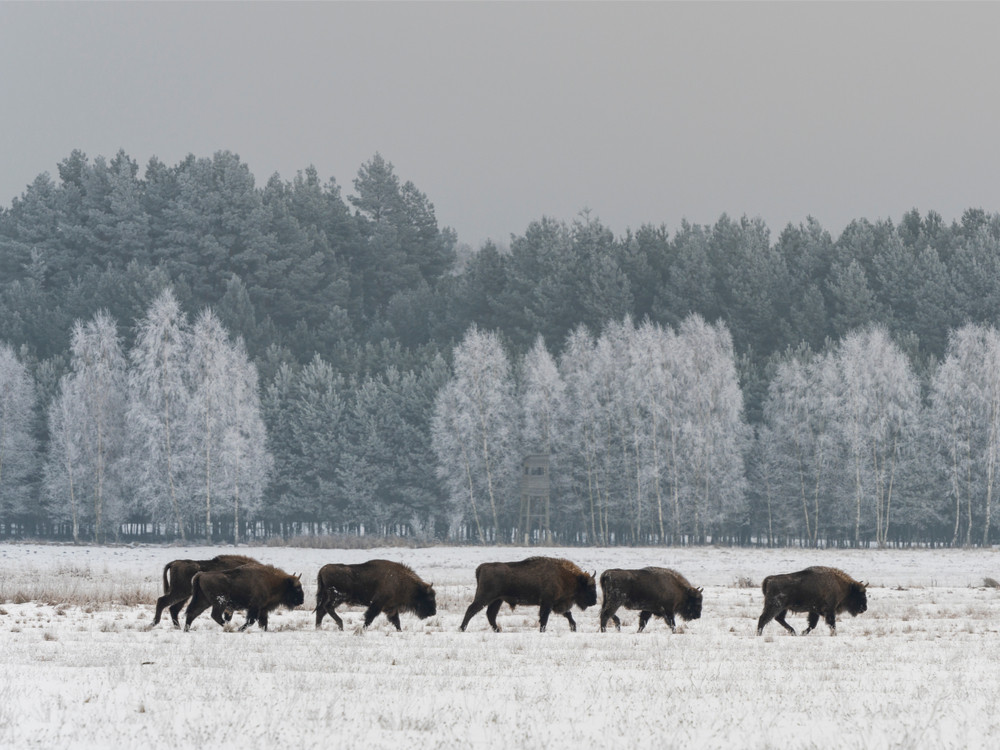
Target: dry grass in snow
80,666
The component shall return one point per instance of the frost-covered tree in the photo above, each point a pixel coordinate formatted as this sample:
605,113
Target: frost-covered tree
65,467
585,436
877,401
159,395
473,429
965,404
714,436
243,459
799,445
655,430
657,378
17,443
96,389
208,411
542,399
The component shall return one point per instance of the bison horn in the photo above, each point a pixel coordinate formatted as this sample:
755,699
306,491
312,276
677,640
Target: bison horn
700,589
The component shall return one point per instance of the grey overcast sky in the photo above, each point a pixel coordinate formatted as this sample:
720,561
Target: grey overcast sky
506,112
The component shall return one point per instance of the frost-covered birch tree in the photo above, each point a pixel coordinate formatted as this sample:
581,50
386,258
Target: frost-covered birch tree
17,443
543,412
657,378
799,444
473,429
965,408
159,396
714,437
877,401
585,437
244,460
208,371
64,466
97,389
616,376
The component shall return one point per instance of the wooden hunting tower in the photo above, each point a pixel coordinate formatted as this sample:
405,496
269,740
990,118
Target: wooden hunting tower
535,497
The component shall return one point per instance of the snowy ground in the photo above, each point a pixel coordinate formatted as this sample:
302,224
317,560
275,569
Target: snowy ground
80,667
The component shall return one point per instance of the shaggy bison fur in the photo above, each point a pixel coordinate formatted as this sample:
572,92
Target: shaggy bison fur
819,591
551,583
379,585
653,591
177,576
259,589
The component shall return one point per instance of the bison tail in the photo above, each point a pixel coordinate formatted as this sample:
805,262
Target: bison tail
195,586
763,585
166,582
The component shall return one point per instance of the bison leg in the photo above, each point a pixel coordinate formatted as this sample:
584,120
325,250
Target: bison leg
471,612
491,614
330,611
569,617
813,622
321,609
199,603
161,604
176,605
643,619
262,620
543,617
175,612
669,617
780,619
394,619
831,620
373,611
218,614
251,618
608,613
326,605
770,610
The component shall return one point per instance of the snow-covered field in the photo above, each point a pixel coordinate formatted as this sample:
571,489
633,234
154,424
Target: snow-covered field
80,666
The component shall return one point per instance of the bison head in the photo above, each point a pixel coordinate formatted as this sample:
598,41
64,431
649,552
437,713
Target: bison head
857,599
691,606
293,595
586,590
425,601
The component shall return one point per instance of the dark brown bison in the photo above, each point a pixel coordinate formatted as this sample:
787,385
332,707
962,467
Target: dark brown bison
379,585
818,591
258,589
654,591
555,585
177,576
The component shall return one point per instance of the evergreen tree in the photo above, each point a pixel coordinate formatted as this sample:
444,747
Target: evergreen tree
17,440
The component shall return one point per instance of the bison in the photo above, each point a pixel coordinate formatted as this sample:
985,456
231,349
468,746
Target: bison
653,591
379,585
816,590
177,575
555,585
258,589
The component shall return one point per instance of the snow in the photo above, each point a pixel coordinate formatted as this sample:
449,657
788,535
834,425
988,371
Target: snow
80,666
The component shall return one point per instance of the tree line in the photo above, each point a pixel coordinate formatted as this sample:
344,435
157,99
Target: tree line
355,312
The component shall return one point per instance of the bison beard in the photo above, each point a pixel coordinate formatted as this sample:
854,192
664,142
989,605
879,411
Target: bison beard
653,591
177,576
379,585
819,591
553,584
259,589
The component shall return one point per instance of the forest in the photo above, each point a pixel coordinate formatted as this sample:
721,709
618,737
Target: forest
187,355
